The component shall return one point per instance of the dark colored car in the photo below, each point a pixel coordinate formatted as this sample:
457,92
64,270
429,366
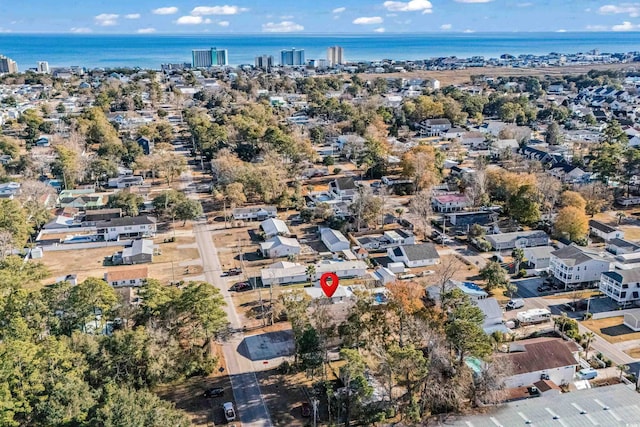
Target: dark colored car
544,288
306,409
235,272
240,287
214,392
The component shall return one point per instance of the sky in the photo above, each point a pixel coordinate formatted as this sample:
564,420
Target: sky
315,16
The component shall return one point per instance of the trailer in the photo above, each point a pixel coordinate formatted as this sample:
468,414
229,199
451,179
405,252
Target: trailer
533,316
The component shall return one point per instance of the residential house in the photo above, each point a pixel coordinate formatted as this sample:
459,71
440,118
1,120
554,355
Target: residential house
450,202
470,289
342,269
102,214
503,146
632,319
536,359
126,181
384,275
259,213
343,188
518,239
274,227
278,246
492,316
538,258
620,246
434,127
342,294
415,255
464,219
8,190
399,237
282,273
622,286
604,231
473,139
127,227
140,252
334,240
127,277
572,266
146,144
570,174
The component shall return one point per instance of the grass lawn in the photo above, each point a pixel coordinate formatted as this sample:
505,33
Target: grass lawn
612,329
581,294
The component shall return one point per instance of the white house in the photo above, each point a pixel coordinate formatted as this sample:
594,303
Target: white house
518,239
342,269
571,266
415,255
492,315
540,358
632,319
258,213
343,188
604,231
334,240
434,127
622,286
127,227
621,246
282,273
126,181
128,277
539,257
274,227
450,202
342,294
279,246
384,275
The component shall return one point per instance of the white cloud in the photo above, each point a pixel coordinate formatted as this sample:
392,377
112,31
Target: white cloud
132,16
561,30
596,27
632,9
217,10
106,19
223,23
165,10
379,30
410,6
368,20
473,1
625,26
339,10
190,20
468,31
146,30
80,30
446,26
4,30
281,27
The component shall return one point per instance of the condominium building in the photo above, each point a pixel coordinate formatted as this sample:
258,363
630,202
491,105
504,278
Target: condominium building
43,67
573,266
264,62
335,55
204,58
8,65
291,57
622,286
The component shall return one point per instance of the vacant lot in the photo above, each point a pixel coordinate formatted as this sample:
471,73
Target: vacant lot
612,329
170,265
634,352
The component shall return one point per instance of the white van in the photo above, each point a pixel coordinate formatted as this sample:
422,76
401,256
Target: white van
229,412
515,303
587,374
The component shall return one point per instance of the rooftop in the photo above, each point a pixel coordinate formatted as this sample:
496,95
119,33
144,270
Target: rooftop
126,274
539,354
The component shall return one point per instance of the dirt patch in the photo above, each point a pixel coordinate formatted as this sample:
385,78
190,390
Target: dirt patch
579,295
634,352
612,329
85,263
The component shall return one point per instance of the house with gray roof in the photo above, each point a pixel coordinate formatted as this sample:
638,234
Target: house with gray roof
274,227
415,255
621,246
622,286
604,231
518,239
140,252
343,188
492,316
334,240
572,266
538,257
259,213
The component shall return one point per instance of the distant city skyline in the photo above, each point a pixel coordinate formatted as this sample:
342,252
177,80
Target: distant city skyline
346,16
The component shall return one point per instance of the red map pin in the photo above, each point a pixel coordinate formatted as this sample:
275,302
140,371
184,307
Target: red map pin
329,288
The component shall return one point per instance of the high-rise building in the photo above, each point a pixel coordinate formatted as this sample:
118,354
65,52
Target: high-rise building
8,65
204,58
291,57
264,62
43,67
335,55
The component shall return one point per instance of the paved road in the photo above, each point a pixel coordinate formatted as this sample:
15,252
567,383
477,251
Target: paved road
251,408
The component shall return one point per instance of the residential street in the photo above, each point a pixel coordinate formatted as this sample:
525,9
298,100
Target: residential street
251,409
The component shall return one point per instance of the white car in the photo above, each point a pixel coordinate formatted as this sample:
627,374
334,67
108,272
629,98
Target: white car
229,412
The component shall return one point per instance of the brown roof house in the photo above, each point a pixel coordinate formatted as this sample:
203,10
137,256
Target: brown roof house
533,360
127,277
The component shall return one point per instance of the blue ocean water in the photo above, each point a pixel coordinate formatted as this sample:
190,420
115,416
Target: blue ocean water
149,51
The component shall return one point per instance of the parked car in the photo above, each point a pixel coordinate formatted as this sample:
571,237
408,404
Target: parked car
515,303
234,272
240,287
544,288
214,392
587,374
229,412
306,409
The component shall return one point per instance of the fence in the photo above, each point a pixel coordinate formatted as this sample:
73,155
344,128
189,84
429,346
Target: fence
88,245
607,314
